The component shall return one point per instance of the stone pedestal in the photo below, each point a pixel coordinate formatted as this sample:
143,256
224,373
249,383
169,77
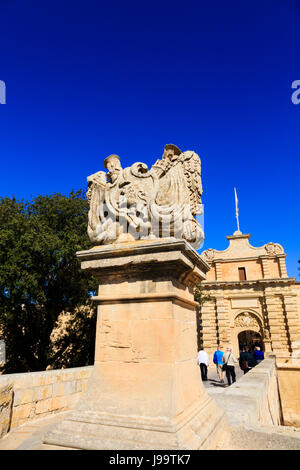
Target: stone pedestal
145,391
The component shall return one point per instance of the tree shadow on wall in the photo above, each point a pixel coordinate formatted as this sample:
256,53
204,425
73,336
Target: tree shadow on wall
73,338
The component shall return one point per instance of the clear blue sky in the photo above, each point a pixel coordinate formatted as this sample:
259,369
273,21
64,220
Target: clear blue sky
89,78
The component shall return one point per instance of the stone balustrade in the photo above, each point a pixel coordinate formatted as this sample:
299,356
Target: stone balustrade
32,395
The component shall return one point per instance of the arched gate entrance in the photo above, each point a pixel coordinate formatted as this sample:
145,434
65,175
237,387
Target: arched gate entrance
247,331
251,339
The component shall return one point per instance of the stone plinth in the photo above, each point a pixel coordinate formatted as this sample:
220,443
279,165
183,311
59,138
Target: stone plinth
145,391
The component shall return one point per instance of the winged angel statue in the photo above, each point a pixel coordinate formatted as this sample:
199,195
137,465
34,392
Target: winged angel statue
137,203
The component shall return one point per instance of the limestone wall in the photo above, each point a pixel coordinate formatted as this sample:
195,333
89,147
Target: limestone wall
289,387
254,399
39,394
6,399
296,289
253,268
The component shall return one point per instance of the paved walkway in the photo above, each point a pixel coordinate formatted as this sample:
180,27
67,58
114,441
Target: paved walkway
30,436
214,381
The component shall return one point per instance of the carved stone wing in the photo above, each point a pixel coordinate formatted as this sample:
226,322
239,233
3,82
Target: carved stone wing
192,172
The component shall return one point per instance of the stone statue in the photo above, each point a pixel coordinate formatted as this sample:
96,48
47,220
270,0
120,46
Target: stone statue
137,203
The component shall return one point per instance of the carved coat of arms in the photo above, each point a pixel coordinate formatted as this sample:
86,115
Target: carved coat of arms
137,203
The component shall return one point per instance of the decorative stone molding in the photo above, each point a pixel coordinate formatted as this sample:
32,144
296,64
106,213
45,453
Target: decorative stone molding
208,255
273,248
246,320
280,282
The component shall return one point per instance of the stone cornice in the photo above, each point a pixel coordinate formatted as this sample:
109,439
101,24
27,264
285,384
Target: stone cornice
242,235
149,297
168,258
270,256
286,280
246,258
244,295
142,247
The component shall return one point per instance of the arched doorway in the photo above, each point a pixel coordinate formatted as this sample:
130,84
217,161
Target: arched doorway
247,331
251,339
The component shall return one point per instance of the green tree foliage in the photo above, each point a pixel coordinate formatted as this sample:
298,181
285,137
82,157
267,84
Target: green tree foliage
201,296
40,276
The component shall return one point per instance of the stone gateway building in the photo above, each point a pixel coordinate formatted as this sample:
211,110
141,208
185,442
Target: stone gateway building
253,299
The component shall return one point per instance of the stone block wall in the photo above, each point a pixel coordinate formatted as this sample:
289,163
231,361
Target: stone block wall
38,394
289,387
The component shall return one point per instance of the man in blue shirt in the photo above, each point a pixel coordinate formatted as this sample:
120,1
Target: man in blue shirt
217,359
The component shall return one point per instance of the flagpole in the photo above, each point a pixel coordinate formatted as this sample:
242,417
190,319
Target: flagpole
236,210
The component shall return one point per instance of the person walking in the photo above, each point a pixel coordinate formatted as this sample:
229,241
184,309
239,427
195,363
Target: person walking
217,359
229,360
203,362
247,360
258,354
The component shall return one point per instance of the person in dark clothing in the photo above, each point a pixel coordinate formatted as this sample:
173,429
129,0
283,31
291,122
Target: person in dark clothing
229,360
247,360
258,354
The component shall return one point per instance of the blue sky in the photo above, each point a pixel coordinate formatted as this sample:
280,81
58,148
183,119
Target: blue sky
85,79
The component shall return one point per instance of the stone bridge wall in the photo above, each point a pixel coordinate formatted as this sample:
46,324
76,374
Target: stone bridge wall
289,385
254,398
32,395
266,395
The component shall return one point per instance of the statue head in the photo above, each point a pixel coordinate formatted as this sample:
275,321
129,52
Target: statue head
170,151
113,164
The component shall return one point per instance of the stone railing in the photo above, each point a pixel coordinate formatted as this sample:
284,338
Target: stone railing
254,398
32,395
288,370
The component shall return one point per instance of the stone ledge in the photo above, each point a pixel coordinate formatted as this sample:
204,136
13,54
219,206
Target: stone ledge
165,296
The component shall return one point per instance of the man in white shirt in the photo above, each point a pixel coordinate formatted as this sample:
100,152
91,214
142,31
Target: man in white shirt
203,362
